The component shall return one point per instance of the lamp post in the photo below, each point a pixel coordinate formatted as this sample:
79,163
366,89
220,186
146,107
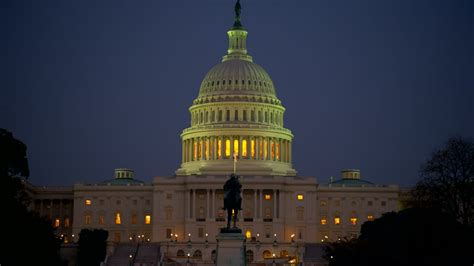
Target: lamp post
258,242
130,257
207,242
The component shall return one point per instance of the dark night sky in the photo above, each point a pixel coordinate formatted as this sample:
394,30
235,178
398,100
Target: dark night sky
94,85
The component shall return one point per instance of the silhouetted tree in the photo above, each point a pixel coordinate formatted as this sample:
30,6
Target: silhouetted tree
92,247
448,181
410,237
26,238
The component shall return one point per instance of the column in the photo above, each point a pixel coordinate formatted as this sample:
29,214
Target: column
260,204
208,207
274,205
279,150
281,204
213,203
240,148
255,204
214,148
188,203
183,151
290,158
193,211
231,146
269,149
257,148
202,143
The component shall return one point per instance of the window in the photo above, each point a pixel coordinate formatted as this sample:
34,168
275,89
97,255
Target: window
244,148
324,220
147,219
268,197
248,234
200,232
267,254
236,115
245,115
227,148
236,147
88,202
119,202
220,115
134,218
197,254
323,203
87,219
147,202
101,219
57,222
118,220
337,220
383,203
168,213
227,117
169,196
252,148
101,202
180,253
300,197
370,217
353,220
66,222
370,203
219,148
135,202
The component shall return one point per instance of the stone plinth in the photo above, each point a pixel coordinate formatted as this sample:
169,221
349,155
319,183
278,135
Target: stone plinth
230,249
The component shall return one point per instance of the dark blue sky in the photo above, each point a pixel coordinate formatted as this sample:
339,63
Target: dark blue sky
94,85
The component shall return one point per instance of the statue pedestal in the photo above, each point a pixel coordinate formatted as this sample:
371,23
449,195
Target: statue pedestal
230,248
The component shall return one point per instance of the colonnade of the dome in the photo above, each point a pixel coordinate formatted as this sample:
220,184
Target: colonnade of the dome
243,147
257,113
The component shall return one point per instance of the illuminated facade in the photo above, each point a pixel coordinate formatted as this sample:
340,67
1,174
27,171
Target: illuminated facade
236,116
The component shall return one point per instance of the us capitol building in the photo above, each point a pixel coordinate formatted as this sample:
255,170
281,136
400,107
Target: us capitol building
236,122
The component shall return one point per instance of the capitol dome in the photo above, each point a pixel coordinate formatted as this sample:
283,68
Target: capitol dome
237,120
237,80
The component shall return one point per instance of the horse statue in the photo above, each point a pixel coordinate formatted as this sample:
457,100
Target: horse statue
232,199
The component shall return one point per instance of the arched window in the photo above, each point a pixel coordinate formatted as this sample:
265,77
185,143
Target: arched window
180,253
118,220
277,151
227,118
236,147
267,254
227,148
201,118
283,254
259,116
236,115
213,253
272,149
252,116
200,149
244,148
197,254
244,115
195,149
252,148
265,149
220,115
219,148
249,256
213,114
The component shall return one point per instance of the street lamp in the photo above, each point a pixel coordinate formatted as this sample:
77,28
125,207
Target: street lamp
207,242
275,240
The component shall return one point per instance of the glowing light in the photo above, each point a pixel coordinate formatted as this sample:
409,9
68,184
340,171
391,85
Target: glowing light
147,219
195,149
265,149
236,147
324,221
300,197
370,217
353,220
337,220
118,220
57,222
252,148
219,148
227,148
277,151
248,234
88,202
268,197
244,148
